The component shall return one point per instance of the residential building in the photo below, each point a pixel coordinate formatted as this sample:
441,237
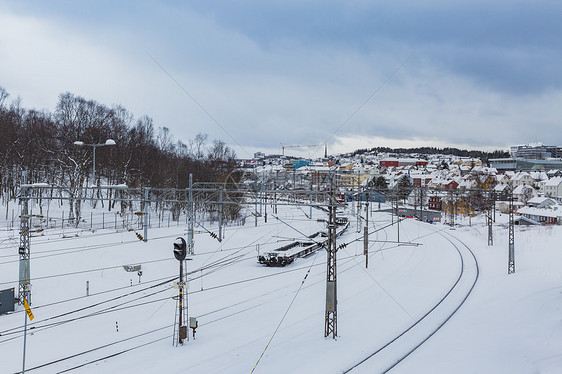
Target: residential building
550,215
470,162
524,193
396,162
541,202
553,188
521,179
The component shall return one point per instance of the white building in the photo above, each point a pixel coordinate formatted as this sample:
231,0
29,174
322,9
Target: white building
553,188
521,179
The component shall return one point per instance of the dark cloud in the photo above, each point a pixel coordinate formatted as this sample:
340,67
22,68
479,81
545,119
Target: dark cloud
479,73
511,46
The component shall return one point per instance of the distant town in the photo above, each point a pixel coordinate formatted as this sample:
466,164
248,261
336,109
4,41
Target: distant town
531,176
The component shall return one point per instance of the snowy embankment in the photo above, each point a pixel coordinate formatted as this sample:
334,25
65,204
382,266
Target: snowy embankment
272,319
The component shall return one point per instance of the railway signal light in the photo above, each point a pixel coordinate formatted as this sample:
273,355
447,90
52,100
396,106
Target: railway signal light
180,249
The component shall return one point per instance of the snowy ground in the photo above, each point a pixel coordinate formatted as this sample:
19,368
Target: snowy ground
271,320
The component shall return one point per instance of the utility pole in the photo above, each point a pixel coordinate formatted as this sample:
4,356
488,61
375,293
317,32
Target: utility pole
24,291
191,218
511,261
421,203
310,197
489,222
366,232
261,195
453,206
358,197
275,196
397,221
220,213
391,211
256,208
145,214
494,203
331,318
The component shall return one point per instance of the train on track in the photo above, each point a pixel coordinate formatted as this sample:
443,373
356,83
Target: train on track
288,253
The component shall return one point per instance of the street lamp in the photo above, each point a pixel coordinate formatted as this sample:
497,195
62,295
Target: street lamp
107,142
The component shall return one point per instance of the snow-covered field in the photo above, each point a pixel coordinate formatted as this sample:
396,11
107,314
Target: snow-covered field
271,320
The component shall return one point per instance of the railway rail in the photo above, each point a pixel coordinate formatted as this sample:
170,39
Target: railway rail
391,354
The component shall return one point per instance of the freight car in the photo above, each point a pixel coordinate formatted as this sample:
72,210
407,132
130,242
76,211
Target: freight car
288,253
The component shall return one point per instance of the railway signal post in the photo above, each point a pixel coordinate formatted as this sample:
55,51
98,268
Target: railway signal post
180,251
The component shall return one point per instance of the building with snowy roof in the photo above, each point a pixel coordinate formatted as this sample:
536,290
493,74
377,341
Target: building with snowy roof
536,151
549,215
553,188
503,164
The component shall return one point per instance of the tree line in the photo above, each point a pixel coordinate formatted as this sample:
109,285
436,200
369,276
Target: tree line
484,156
42,143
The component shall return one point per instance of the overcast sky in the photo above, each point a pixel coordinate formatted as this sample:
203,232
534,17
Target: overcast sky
355,74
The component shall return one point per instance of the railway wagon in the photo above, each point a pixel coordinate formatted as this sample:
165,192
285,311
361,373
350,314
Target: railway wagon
301,248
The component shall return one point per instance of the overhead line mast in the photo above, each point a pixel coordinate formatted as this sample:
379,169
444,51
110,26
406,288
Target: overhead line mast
511,254
24,291
331,320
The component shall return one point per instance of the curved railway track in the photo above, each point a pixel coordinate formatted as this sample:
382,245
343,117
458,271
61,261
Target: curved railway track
391,354
382,360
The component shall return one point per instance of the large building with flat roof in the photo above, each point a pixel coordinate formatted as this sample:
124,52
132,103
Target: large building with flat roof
522,164
535,151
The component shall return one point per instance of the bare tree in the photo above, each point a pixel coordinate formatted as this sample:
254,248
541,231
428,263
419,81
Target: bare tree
3,96
198,146
220,151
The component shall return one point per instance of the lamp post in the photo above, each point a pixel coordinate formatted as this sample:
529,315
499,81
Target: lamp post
107,142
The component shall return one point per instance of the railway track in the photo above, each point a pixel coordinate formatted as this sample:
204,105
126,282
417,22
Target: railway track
391,354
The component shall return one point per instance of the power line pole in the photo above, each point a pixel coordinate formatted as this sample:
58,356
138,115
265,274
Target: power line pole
511,261
358,197
145,214
24,290
220,212
494,204
311,188
331,318
366,232
397,221
191,218
452,207
489,221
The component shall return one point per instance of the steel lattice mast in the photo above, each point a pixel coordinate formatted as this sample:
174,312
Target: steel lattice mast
489,219
331,320
511,260
24,291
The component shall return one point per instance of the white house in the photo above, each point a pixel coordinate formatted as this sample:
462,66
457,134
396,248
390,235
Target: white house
541,202
521,179
553,188
524,193
502,179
